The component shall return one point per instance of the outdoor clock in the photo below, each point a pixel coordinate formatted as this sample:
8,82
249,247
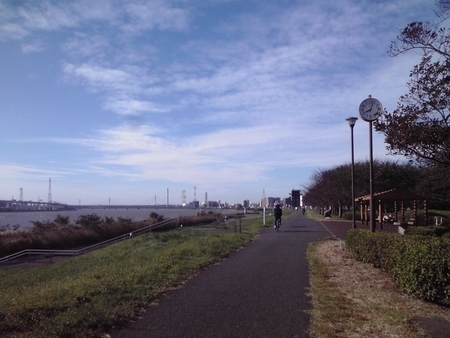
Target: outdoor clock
370,109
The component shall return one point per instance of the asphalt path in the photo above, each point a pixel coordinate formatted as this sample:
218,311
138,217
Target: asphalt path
260,291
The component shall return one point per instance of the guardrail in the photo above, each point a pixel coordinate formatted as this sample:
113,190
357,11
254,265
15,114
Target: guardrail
53,253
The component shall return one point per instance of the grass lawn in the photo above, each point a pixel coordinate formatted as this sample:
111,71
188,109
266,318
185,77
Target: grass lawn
90,294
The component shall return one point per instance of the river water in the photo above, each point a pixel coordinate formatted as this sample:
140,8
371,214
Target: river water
24,219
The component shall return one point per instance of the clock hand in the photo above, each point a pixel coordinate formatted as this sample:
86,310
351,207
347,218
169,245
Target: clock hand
370,107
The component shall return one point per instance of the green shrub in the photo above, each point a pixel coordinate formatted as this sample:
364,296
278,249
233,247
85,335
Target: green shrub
363,245
431,231
348,215
419,265
424,269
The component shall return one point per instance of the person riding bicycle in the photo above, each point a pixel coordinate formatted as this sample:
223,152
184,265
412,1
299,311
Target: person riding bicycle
277,213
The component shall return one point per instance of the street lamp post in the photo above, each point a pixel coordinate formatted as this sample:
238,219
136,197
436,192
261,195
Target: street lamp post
351,122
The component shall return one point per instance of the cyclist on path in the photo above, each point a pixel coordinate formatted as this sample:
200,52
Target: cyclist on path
277,213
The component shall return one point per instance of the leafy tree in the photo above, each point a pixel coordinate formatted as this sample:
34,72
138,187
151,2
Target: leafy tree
90,221
125,220
155,217
434,182
419,128
45,225
61,220
332,187
108,220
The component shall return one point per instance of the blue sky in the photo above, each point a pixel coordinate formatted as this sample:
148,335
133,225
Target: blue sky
123,100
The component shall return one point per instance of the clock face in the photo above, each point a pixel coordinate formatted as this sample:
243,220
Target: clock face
370,109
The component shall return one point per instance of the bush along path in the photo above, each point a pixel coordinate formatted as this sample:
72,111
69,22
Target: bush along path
355,299
418,265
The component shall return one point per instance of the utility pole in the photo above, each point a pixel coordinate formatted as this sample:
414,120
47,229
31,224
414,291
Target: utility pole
49,190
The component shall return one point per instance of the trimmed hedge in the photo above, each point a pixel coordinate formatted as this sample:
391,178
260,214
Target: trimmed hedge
348,215
428,231
418,265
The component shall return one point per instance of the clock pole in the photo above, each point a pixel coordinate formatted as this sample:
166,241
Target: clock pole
369,110
372,209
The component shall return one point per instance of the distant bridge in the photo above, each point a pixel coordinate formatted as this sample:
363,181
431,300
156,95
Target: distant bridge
129,206
13,205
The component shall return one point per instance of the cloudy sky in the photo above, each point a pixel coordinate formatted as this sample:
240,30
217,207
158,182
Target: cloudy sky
123,100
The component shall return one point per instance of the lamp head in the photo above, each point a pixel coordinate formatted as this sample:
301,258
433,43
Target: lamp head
351,121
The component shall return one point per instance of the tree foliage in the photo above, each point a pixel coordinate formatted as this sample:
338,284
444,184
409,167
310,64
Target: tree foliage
419,127
332,187
90,221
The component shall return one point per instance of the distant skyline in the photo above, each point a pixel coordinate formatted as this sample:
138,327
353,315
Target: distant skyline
123,100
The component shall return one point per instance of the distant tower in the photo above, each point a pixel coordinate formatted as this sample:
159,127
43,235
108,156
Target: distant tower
206,198
167,196
295,199
183,197
49,190
21,195
195,194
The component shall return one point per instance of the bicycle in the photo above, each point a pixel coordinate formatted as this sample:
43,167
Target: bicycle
277,223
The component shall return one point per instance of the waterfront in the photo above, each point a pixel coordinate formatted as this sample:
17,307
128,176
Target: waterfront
25,218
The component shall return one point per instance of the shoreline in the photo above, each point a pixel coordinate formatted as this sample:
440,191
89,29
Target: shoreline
25,218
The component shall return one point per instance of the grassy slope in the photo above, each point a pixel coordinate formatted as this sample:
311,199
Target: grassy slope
87,295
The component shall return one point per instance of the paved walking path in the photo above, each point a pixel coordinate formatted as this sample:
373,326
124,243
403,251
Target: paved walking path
260,291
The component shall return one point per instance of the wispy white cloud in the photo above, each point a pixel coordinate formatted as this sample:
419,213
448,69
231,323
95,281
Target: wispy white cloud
102,78
155,14
87,45
133,107
136,17
122,86
35,46
26,173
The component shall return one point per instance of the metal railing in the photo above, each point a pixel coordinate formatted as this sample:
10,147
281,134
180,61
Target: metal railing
53,253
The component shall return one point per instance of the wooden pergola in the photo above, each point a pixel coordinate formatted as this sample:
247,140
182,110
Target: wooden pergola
397,196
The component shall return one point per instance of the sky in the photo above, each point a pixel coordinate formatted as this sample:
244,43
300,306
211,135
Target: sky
119,101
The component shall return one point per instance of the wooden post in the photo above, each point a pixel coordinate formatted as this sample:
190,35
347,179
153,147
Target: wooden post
361,211
425,212
237,223
367,213
380,214
403,211
415,213
395,211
